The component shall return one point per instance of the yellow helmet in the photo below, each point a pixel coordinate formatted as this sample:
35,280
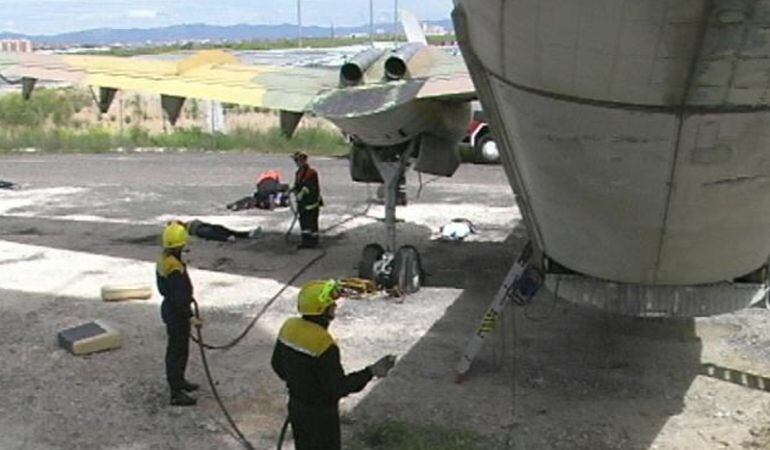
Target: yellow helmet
175,235
316,296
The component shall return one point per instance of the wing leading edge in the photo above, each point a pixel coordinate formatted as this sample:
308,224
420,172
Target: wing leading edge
210,75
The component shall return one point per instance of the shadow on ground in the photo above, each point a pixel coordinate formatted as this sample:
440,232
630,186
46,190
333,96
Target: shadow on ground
554,375
445,262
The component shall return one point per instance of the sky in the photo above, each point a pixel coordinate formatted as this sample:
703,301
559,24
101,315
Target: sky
60,16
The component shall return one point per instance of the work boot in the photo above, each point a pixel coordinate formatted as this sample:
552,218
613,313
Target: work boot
189,387
181,399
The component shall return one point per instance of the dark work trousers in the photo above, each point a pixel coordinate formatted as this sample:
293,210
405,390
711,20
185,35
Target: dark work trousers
218,232
177,351
314,428
308,223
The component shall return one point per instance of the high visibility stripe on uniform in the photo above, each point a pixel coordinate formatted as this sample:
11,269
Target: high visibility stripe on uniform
305,336
168,264
297,347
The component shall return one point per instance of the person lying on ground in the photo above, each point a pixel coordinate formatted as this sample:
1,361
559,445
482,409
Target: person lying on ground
7,185
214,232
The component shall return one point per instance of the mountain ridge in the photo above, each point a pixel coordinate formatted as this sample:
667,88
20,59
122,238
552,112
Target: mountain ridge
201,32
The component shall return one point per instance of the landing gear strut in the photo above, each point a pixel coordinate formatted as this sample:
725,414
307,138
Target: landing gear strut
391,267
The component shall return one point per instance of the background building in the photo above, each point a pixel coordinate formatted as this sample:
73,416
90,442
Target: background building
16,45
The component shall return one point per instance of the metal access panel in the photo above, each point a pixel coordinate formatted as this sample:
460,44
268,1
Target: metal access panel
89,337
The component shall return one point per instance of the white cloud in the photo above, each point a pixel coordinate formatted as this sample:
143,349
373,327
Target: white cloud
142,14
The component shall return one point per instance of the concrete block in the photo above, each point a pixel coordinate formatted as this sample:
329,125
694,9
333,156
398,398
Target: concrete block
116,293
89,338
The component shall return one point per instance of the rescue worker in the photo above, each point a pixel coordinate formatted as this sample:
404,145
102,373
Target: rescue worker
308,194
270,191
308,360
176,288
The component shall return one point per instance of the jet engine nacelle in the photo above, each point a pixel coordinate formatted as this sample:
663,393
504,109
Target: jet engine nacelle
352,72
397,64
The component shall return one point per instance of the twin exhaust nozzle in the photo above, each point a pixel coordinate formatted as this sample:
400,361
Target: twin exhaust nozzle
396,65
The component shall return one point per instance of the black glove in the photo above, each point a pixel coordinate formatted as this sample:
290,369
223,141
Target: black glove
381,368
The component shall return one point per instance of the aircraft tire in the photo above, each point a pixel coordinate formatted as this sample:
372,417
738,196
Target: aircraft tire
407,270
370,255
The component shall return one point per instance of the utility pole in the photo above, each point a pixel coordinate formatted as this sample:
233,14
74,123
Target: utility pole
395,20
371,23
299,23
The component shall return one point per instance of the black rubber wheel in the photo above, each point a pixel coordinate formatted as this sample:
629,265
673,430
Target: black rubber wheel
407,269
371,254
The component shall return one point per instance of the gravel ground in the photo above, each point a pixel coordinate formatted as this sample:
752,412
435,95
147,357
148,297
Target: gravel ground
554,375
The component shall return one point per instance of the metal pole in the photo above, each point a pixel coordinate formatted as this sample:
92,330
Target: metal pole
395,20
371,23
299,23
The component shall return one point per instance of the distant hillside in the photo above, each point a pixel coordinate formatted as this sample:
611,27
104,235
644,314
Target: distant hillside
199,32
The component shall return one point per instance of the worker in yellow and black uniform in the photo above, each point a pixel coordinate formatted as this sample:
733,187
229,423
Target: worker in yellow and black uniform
308,360
307,191
176,288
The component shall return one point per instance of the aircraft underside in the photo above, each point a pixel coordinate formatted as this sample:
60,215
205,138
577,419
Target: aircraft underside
635,135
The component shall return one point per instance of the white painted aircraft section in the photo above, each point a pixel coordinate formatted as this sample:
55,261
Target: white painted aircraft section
635,133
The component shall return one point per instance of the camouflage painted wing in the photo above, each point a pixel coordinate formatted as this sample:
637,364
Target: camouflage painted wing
210,75
434,74
446,77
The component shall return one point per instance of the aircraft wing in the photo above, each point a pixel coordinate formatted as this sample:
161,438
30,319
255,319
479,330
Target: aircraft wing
211,75
436,75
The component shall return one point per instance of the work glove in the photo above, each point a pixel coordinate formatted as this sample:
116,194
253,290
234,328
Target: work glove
381,368
196,322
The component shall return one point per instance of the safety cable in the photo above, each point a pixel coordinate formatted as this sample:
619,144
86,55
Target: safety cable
547,315
422,185
282,435
295,214
202,346
264,309
245,442
294,277
349,218
334,225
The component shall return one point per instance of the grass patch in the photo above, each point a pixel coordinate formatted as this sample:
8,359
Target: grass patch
402,436
316,141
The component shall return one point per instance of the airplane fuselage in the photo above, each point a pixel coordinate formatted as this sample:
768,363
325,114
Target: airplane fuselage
406,122
636,134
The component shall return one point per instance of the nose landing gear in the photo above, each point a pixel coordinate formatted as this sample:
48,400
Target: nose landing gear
400,270
392,268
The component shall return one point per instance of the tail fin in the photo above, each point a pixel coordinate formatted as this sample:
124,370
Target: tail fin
412,28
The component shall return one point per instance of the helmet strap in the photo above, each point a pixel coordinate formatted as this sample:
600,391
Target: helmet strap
322,320
176,251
